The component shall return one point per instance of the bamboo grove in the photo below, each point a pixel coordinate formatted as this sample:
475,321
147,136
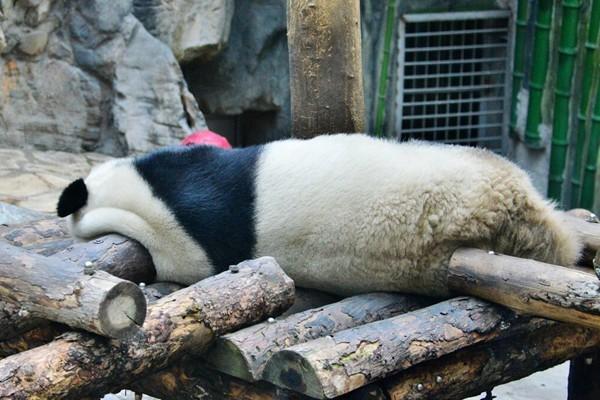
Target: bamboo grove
561,35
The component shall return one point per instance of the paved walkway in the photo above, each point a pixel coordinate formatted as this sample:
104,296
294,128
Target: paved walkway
35,179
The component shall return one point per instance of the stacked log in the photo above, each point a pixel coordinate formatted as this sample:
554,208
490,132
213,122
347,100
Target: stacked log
57,291
185,322
244,353
337,364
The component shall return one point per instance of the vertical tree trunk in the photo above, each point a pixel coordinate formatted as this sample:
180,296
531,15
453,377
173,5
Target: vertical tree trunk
325,67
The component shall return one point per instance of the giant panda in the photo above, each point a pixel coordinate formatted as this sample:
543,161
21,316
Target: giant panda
345,214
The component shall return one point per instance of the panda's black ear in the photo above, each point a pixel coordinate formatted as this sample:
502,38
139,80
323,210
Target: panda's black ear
72,198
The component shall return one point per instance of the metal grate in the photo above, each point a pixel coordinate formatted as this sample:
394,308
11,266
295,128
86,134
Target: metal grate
453,76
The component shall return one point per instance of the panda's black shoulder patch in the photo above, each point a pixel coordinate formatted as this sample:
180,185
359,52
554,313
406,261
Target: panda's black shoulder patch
211,192
72,198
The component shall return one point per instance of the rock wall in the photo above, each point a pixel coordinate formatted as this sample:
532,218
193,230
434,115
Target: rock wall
86,75
196,30
250,77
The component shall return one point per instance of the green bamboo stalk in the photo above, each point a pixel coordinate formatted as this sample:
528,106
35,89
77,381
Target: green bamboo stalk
589,177
519,60
385,62
566,64
539,70
586,85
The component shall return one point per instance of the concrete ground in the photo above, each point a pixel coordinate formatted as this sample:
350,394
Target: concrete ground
34,180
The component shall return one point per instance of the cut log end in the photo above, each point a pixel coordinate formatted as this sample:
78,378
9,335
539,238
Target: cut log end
289,370
227,355
123,310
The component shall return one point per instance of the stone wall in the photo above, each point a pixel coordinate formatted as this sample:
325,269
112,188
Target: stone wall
86,75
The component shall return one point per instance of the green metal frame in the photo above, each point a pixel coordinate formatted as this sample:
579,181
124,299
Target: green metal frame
591,45
563,90
382,89
539,71
519,61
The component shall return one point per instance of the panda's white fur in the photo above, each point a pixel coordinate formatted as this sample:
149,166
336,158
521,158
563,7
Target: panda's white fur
349,214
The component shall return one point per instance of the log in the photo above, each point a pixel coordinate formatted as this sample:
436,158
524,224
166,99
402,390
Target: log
528,286
337,364
244,353
58,291
45,236
325,67
587,226
190,379
46,332
463,373
583,377
31,339
115,254
479,368
306,299
185,322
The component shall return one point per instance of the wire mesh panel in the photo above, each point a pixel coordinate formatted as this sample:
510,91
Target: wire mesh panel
453,75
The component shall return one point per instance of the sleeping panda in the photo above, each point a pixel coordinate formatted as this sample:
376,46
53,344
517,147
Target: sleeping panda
345,214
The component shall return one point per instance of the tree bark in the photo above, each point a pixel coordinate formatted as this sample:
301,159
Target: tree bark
473,370
583,377
244,353
466,372
31,339
190,379
59,291
325,67
528,286
46,331
45,236
115,254
185,322
337,364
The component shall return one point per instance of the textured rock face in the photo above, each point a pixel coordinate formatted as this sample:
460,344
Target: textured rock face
251,73
196,30
86,75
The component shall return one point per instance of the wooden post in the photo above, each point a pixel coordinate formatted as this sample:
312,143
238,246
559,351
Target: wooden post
325,67
244,353
337,364
584,377
185,322
528,286
50,289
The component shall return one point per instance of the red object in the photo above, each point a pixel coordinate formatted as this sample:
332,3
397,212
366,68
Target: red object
206,137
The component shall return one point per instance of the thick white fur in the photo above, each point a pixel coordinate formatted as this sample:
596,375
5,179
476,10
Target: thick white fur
120,201
350,214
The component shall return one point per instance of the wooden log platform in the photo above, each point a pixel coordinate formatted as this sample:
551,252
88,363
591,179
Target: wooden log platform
337,364
185,322
244,353
479,368
57,291
466,372
528,286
